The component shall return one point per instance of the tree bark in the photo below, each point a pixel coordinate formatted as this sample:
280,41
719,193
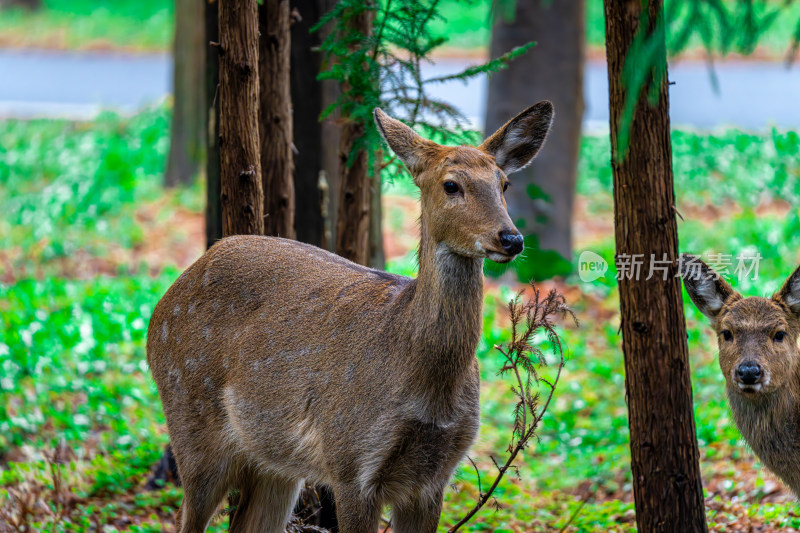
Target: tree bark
542,197
331,135
352,230
332,138
664,455
240,162
377,257
306,93
277,159
188,108
211,84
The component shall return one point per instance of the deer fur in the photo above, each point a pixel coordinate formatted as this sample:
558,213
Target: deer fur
278,362
762,332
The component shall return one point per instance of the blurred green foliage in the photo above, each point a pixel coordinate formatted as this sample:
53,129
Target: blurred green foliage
72,351
139,25
75,186
147,25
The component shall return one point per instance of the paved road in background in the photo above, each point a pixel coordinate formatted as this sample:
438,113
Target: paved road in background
77,85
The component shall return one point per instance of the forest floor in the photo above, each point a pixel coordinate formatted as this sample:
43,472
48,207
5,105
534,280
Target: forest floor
89,241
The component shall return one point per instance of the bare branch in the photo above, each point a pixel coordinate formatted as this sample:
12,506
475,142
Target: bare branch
538,314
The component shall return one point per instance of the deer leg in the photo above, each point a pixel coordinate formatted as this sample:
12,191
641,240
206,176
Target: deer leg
203,490
356,513
420,515
265,504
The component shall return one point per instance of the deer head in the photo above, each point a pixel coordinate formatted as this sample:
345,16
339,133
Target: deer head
757,337
462,188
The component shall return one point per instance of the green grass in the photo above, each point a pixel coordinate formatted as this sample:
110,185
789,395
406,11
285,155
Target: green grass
72,367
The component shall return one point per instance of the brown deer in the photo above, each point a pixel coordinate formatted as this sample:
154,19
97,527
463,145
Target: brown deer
278,362
759,358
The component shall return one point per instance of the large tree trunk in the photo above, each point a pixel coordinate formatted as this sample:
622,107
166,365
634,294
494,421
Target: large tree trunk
188,90
668,490
306,108
211,84
352,230
277,160
240,161
541,200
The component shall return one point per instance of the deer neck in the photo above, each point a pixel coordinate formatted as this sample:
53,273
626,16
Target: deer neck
769,418
446,316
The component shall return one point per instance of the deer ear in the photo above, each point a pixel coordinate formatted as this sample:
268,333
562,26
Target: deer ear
790,292
409,147
706,288
517,143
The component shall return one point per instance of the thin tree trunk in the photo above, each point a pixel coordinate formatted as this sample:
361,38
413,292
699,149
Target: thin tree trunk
306,108
332,138
543,194
211,84
242,190
352,230
668,490
331,135
377,257
277,160
188,108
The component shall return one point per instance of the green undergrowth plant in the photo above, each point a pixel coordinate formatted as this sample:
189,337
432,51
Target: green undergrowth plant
72,361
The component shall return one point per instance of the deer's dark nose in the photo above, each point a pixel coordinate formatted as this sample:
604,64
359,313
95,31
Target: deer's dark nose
748,373
511,241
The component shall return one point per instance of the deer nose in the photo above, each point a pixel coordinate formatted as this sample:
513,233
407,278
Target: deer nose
748,373
511,241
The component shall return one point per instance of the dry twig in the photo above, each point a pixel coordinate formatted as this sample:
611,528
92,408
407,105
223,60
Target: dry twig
522,357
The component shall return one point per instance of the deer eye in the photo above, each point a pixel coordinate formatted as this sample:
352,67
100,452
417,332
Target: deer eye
505,186
451,187
727,335
779,336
